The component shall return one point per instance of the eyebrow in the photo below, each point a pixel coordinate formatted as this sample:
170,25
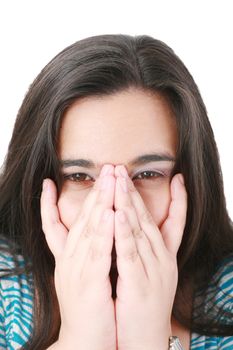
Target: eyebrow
141,160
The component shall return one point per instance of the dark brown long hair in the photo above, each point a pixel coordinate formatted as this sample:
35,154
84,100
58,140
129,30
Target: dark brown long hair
102,65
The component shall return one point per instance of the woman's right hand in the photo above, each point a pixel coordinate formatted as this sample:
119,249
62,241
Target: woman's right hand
82,265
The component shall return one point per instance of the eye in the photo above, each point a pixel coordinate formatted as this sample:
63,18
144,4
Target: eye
77,177
148,175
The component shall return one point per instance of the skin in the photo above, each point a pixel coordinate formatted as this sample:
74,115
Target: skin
102,130
111,131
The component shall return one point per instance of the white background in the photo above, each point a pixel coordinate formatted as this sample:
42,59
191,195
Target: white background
200,32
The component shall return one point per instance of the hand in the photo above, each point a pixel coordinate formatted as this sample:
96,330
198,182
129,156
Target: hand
147,267
83,261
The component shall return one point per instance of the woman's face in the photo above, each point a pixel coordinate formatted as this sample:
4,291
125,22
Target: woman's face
116,130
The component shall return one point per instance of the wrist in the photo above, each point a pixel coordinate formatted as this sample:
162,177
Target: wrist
161,342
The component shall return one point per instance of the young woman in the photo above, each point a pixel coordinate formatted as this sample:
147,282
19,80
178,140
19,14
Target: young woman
114,228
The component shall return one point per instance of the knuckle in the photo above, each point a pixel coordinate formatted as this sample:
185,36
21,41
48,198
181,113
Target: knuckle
146,217
100,232
127,207
48,226
96,253
55,223
131,255
131,186
126,235
82,216
138,233
88,231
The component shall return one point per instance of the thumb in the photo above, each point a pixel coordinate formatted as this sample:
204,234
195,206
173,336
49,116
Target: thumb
55,232
173,227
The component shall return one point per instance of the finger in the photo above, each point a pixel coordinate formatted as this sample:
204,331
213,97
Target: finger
129,263
144,217
82,219
55,232
95,197
99,258
90,227
173,227
124,202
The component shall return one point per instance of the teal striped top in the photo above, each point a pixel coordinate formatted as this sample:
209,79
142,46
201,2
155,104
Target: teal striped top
16,307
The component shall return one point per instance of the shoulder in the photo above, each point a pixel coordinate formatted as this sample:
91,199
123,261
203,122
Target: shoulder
216,301
221,285
7,259
16,298
214,305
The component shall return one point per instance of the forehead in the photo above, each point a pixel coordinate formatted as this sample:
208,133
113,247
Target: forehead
118,127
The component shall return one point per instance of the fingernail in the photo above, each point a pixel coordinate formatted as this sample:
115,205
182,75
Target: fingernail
106,215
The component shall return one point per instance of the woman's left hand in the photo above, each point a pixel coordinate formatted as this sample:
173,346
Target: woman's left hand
147,267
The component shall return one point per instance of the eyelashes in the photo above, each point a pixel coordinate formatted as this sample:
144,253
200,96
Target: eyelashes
76,177
152,175
144,175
